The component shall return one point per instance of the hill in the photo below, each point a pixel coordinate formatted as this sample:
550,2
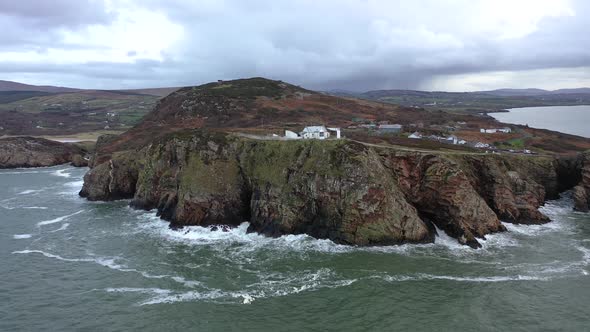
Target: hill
44,113
263,107
476,102
15,86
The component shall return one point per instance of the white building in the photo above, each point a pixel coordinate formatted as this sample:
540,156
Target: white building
337,131
415,135
291,134
495,130
315,132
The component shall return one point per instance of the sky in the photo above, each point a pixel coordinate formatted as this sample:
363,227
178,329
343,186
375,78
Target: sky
358,45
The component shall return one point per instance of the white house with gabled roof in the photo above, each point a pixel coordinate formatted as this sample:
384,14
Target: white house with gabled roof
315,132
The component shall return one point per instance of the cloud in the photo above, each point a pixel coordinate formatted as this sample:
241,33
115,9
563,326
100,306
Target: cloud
350,44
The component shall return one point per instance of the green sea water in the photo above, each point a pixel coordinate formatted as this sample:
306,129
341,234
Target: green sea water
68,264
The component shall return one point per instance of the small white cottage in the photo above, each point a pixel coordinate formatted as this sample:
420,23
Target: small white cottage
315,132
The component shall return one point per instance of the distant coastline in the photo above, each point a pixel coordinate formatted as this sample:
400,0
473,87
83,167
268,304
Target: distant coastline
551,118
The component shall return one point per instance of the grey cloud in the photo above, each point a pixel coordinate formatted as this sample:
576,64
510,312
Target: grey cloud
353,44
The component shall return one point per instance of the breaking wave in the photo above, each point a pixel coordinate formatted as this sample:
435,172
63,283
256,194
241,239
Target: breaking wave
58,219
21,236
62,173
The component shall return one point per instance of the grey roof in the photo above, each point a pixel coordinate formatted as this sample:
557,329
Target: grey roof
390,126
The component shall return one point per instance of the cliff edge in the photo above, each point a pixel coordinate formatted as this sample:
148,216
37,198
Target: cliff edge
340,190
38,152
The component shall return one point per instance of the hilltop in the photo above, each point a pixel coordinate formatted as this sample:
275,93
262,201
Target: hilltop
15,86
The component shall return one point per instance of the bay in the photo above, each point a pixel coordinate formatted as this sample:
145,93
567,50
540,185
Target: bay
573,120
69,264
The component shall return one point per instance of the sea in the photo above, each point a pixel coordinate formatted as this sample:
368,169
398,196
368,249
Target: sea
573,120
69,264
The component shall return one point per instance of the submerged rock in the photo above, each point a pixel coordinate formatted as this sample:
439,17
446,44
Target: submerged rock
38,152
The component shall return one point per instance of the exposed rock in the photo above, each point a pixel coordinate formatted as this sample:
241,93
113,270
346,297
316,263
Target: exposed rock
580,197
37,152
441,191
511,185
79,161
340,190
581,194
111,180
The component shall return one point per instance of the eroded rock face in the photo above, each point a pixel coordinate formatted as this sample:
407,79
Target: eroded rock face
513,185
37,152
112,180
441,191
340,190
581,193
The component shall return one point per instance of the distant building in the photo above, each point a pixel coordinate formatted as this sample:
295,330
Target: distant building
415,135
390,128
291,134
495,130
336,130
315,132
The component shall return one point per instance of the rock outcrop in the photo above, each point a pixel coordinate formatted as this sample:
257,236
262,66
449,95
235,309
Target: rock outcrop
341,190
38,152
581,192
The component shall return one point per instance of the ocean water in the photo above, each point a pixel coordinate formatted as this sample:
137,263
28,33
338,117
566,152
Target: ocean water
68,264
573,120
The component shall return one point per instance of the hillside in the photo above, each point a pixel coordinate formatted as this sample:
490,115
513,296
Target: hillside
476,102
258,106
15,86
44,113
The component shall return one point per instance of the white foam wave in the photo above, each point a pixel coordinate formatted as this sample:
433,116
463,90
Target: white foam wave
59,219
30,191
62,173
74,184
586,254
271,286
63,227
111,263
138,290
35,207
196,235
421,277
21,236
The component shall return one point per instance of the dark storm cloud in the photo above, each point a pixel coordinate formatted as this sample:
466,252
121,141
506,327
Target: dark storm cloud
349,44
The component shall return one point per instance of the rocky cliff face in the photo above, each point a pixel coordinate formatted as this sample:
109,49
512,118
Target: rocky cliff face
340,190
581,192
38,152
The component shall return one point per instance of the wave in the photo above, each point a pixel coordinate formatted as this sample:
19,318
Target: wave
63,227
111,263
62,173
30,191
58,219
21,236
75,184
35,207
271,286
422,277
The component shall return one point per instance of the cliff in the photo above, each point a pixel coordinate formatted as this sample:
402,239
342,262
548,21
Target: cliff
38,152
581,192
342,190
